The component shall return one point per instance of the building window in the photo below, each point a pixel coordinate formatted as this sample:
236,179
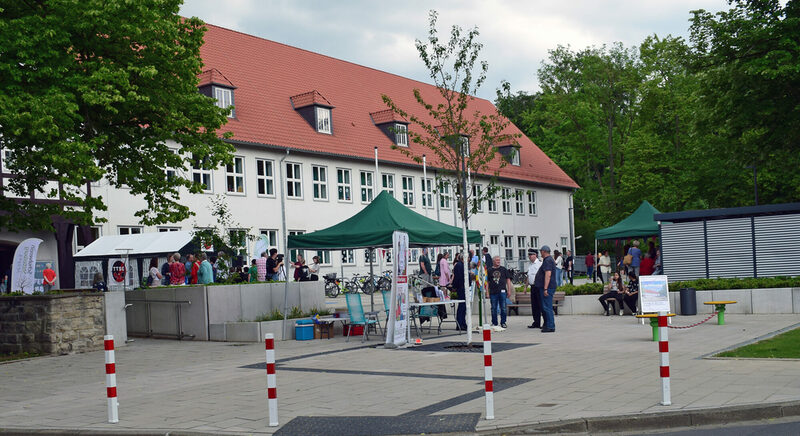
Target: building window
564,243
348,257
531,202
387,181
366,187
79,242
202,174
293,253
171,172
320,178
323,120
506,200
343,184
414,255
272,238
265,178
493,239
324,257
477,204
514,157
519,202
7,157
168,229
534,242
401,135
408,190
234,173
521,247
427,193
238,238
129,230
508,243
369,255
444,195
491,204
224,97
294,177
388,256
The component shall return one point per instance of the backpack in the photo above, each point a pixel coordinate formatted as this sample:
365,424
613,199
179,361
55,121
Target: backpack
627,260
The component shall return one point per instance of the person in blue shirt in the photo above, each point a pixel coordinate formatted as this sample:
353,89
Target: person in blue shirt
636,259
458,284
205,275
546,281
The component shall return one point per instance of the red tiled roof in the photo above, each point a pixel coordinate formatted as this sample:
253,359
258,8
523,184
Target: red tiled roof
309,98
386,116
213,76
268,73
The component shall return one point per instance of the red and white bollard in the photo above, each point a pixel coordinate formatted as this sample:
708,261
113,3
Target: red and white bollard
111,379
487,370
663,348
272,390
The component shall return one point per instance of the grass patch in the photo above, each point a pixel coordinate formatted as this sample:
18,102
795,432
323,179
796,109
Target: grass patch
783,346
17,356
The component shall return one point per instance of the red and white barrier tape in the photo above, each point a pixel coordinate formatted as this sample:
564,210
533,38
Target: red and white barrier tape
111,380
663,348
487,371
272,390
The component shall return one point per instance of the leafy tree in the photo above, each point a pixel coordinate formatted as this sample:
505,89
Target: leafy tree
462,140
96,89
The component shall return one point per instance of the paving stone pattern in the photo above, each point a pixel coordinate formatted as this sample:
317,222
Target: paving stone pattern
592,366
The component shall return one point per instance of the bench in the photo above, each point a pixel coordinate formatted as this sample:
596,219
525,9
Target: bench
720,307
524,300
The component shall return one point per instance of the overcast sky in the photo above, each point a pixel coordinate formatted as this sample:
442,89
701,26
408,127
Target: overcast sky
516,34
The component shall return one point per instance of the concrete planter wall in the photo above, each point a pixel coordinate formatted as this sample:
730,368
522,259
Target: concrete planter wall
233,303
179,312
250,331
756,301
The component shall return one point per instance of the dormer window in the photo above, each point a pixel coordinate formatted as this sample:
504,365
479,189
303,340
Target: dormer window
224,97
510,153
401,135
515,157
323,120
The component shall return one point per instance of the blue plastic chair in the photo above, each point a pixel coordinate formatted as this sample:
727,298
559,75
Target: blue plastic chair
357,317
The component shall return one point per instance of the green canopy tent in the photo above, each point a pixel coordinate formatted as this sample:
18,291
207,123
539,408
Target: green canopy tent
373,227
639,223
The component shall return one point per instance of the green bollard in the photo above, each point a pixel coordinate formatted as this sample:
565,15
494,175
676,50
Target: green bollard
720,314
654,324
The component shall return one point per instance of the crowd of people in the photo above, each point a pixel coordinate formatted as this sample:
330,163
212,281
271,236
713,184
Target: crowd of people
623,286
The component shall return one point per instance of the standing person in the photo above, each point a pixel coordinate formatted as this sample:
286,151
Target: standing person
165,271
177,271
536,293
589,261
313,269
473,257
261,267
273,265
425,266
499,285
300,268
631,295
487,259
195,269
648,263
445,274
658,269
548,284
636,259
205,273
253,271
605,266
155,275
188,268
570,266
458,284
559,261
49,276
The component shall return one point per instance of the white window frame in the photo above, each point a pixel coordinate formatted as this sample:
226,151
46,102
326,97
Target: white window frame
296,180
267,178
427,193
75,247
532,203
521,249
514,157
401,135
292,254
494,239
348,257
324,257
367,182
519,202
344,188
367,256
444,196
534,242
272,238
407,187
240,249
322,116
564,243
508,247
199,172
505,201
171,173
130,230
491,204
237,177
168,229
387,183
319,179
224,99
477,203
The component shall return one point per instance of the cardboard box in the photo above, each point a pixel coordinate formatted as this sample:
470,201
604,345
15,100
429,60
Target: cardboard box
318,331
430,299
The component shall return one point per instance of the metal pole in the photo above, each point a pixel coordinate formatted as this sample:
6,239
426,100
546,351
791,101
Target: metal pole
285,246
424,182
377,174
572,226
371,252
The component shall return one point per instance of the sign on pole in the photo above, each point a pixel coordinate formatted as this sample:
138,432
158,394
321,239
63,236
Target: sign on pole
22,273
654,293
398,312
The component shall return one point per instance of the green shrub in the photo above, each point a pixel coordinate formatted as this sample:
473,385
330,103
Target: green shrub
584,289
294,312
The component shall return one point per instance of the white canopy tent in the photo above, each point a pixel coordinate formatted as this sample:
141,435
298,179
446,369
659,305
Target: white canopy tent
136,245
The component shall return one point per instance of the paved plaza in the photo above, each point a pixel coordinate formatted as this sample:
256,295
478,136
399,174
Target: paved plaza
593,366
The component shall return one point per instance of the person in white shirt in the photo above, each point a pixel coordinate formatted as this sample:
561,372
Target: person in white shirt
536,294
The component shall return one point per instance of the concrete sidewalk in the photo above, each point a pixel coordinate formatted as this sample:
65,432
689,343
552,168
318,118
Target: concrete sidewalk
593,366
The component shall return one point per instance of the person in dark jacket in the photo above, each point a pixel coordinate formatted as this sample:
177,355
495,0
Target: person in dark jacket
458,284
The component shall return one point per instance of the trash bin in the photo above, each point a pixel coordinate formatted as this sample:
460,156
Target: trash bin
688,301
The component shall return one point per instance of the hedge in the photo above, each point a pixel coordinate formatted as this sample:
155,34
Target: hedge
700,285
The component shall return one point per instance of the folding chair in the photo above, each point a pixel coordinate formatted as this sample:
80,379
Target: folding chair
357,317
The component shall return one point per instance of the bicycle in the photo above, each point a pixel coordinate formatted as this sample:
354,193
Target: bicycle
332,285
360,283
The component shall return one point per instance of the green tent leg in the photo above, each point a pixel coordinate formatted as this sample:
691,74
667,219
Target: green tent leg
654,324
720,314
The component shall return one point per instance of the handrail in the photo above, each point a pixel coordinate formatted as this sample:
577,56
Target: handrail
149,333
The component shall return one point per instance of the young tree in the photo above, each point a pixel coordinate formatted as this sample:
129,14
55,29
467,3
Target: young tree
96,89
462,140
